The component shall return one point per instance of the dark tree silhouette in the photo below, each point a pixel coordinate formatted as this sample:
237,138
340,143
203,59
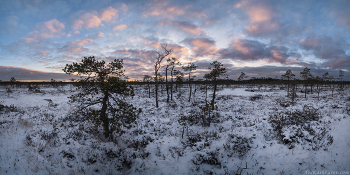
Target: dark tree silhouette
288,76
101,78
148,79
12,80
157,66
190,68
306,76
216,71
172,62
242,76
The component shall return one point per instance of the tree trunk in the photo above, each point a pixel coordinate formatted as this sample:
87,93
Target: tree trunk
104,117
171,85
156,88
166,83
288,87
189,84
206,91
212,101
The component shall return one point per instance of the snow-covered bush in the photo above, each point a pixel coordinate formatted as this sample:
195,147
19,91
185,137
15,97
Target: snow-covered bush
6,108
35,89
209,157
237,146
300,127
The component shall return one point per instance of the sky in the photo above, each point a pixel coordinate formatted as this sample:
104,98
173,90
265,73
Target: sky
262,38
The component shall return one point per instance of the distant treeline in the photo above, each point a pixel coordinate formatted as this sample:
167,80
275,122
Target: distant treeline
221,82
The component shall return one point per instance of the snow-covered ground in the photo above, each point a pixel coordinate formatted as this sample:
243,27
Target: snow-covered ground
263,135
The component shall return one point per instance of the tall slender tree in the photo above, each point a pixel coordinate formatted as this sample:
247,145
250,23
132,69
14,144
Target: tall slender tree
148,79
306,76
159,58
217,70
190,68
341,75
178,78
172,62
288,76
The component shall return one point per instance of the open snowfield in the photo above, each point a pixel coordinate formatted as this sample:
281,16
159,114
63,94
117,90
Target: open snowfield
263,135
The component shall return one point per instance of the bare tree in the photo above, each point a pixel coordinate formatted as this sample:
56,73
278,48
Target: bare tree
157,66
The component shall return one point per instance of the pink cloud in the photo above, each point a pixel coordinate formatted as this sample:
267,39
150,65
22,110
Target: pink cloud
80,42
92,19
30,40
259,13
163,9
261,27
108,14
50,29
88,20
199,42
120,27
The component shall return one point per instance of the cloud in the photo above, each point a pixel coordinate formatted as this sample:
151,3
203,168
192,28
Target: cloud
120,27
201,46
340,12
49,29
6,72
335,50
92,19
75,46
80,42
252,50
325,47
88,20
272,19
137,54
184,26
108,14
259,13
95,35
163,9
30,40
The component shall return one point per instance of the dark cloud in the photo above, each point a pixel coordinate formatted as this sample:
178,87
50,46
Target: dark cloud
6,72
340,12
335,50
252,50
201,46
184,26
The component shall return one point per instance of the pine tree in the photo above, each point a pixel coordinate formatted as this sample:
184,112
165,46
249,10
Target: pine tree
102,85
307,76
288,76
190,68
216,72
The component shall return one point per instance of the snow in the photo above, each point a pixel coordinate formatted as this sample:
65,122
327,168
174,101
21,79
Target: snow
37,137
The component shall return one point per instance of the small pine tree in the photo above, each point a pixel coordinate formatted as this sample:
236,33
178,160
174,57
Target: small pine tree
101,78
216,72
288,76
190,68
307,76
